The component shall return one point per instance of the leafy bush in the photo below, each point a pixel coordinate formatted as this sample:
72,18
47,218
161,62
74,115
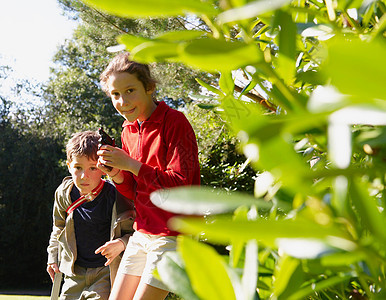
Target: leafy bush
222,166
311,93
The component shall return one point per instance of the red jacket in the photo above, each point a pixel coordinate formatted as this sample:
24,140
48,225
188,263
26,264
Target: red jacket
167,147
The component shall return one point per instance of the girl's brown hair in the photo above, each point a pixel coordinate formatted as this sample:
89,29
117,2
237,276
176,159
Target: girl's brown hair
122,63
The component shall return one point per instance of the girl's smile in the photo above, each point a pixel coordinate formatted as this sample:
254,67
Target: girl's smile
129,96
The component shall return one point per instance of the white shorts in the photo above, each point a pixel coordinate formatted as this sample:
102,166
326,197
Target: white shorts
143,252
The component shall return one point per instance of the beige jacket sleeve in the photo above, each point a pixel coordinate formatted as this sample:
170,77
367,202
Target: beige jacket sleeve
61,202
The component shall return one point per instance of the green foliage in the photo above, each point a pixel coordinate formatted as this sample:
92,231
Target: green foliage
222,166
319,66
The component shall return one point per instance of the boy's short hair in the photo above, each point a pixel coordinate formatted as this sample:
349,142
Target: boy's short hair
83,143
121,63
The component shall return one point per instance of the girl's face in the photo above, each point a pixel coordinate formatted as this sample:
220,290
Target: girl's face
130,97
85,173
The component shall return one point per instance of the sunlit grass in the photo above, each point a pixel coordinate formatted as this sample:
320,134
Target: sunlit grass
23,297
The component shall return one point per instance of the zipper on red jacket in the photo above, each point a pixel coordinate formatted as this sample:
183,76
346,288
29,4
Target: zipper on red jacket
139,152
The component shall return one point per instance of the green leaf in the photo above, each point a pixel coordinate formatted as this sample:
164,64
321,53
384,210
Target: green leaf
162,48
311,77
370,215
250,10
202,200
224,229
209,87
207,106
241,115
302,293
226,83
131,41
368,14
152,8
342,258
357,68
284,274
219,55
287,46
250,86
237,246
154,51
272,153
172,272
206,270
181,35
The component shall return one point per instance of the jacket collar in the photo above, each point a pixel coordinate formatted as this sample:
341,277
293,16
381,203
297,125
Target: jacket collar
156,117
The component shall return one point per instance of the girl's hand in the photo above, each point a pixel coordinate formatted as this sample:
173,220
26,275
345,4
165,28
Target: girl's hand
118,159
111,250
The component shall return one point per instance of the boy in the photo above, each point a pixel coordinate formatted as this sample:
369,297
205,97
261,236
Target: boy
92,223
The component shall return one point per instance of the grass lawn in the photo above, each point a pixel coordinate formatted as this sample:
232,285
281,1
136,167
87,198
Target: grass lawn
23,297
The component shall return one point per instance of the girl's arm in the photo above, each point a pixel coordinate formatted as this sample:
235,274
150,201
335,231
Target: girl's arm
182,167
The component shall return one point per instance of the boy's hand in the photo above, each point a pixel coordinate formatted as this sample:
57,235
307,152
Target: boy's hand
111,250
52,269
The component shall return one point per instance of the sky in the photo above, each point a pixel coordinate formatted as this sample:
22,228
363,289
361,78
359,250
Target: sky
30,32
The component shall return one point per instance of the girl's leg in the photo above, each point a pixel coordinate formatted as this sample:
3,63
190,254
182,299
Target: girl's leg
124,287
148,292
149,287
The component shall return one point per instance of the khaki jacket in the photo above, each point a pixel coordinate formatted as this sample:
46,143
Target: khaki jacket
62,244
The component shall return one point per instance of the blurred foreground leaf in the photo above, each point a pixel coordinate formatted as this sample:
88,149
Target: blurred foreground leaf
353,65
172,272
146,8
224,229
206,270
203,200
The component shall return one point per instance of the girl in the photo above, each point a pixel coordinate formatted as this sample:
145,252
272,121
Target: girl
159,150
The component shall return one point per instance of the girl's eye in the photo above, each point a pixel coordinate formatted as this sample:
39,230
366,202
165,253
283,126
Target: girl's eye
115,94
130,91
94,168
78,168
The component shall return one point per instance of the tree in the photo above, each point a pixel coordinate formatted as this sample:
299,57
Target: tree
74,99
30,171
313,64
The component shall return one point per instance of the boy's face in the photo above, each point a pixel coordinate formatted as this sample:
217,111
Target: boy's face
130,97
85,174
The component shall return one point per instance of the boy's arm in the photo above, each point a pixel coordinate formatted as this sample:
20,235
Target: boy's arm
59,218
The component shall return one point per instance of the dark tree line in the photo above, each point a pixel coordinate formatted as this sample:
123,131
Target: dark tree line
29,174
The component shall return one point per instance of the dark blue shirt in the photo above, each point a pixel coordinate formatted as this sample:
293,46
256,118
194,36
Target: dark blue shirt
92,221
